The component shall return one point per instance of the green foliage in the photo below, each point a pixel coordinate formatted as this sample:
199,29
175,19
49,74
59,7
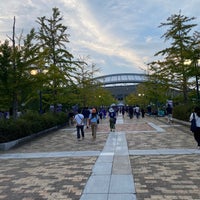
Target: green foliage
45,53
53,38
5,76
28,124
11,129
183,111
171,70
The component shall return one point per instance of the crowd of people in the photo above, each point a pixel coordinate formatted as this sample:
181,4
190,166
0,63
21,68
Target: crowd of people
4,115
91,117
87,117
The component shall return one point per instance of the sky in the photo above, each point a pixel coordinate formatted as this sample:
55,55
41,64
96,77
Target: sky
117,36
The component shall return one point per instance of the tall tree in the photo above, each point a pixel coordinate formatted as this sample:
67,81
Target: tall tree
53,39
194,58
172,68
86,86
31,57
5,76
15,64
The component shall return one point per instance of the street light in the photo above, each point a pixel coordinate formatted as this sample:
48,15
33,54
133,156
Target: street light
35,72
141,99
140,95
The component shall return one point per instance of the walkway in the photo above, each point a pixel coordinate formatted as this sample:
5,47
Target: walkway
111,175
144,159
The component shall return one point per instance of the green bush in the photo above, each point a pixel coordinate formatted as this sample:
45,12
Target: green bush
28,124
49,120
182,112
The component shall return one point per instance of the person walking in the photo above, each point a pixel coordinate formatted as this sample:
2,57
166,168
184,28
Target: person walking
196,115
143,112
101,115
86,113
79,119
93,118
123,112
169,113
137,111
112,119
130,112
71,118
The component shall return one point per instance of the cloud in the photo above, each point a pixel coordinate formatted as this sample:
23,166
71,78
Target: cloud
94,38
118,35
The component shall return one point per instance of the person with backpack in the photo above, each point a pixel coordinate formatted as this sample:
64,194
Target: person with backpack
169,113
112,119
94,118
79,119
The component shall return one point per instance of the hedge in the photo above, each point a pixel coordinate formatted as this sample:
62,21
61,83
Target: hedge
29,123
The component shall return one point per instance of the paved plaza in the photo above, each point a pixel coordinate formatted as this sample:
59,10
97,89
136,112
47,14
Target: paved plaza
144,159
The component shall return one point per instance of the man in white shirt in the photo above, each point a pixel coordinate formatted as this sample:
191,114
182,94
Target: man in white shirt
79,118
137,111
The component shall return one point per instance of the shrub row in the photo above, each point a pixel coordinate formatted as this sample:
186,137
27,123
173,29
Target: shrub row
28,124
182,112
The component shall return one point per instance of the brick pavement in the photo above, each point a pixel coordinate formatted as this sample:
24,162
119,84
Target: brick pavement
44,178
156,177
167,177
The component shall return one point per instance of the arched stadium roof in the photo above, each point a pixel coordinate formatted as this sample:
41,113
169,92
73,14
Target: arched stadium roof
122,78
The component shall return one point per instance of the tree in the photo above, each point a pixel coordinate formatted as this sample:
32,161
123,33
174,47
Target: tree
5,76
84,80
15,61
193,63
53,39
31,58
172,69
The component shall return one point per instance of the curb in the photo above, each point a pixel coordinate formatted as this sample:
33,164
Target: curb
8,145
185,123
182,122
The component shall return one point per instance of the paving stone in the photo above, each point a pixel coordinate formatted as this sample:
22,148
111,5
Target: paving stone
164,164
167,175
57,178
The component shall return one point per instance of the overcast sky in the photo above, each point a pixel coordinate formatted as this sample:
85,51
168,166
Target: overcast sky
119,36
